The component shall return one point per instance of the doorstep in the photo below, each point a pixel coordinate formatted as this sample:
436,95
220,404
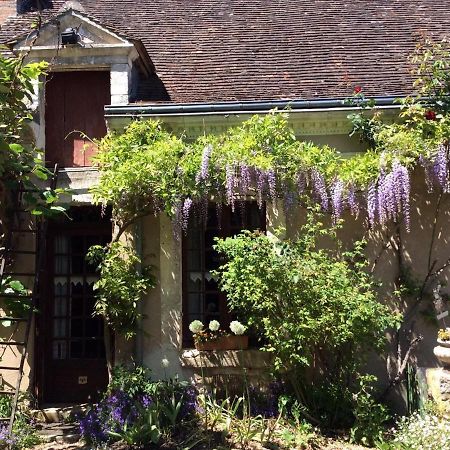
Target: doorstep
58,413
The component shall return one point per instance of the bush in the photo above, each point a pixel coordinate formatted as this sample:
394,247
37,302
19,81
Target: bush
312,307
137,410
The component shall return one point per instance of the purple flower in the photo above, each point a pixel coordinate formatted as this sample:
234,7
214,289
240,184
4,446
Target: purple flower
402,191
146,401
245,178
319,188
260,185
352,201
204,167
337,199
230,184
440,168
301,182
185,213
271,179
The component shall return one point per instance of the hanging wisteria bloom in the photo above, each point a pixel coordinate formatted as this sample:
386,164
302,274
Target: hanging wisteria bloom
337,199
440,168
402,185
301,182
271,179
204,167
185,212
230,184
352,200
260,186
319,188
245,178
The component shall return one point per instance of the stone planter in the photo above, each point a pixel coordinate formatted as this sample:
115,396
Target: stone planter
224,343
442,353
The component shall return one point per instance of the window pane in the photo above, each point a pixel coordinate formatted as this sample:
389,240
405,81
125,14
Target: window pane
59,350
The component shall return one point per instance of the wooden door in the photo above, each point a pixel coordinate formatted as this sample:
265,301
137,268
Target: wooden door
74,109
74,363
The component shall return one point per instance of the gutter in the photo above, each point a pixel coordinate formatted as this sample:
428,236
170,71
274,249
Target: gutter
247,107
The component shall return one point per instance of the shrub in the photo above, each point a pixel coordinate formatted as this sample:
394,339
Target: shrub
312,307
370,416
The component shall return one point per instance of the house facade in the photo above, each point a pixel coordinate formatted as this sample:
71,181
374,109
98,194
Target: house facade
200,68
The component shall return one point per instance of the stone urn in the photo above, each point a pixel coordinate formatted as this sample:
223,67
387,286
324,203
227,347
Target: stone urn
442,353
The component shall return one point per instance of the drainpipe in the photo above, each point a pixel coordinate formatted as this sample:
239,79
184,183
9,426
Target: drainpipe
139,341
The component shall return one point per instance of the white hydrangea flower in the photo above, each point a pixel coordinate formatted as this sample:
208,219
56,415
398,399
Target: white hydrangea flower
165,363
196,326
237,328
214,325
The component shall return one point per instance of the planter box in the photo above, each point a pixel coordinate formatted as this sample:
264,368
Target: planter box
224,343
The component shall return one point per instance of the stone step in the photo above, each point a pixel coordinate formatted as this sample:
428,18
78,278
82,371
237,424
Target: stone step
60,433
58,413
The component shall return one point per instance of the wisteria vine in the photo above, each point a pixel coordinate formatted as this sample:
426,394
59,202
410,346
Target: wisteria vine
261,159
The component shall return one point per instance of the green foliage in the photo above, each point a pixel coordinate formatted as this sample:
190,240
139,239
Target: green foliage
20,161
370,416
312,307
121,285
129,381
24,433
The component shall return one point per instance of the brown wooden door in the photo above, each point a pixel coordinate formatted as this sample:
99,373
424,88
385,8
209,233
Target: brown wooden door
74,107
74,364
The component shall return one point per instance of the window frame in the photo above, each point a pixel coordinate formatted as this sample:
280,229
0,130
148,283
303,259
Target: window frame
225,230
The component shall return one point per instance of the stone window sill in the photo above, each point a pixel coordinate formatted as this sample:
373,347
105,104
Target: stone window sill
251,359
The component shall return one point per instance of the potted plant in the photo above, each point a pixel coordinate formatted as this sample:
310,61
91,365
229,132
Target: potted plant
214,338
442,350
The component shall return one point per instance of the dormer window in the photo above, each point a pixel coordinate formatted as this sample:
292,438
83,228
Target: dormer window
25,6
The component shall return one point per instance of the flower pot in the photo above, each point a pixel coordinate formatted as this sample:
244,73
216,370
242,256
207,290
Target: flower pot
224,343
442,353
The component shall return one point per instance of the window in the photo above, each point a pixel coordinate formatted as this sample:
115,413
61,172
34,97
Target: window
202,298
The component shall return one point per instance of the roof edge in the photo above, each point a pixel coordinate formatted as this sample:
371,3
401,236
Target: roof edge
248,107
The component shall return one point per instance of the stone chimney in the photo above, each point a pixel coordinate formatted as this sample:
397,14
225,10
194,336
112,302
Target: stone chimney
7,9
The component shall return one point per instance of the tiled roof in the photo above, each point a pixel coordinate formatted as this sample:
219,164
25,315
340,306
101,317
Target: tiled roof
219,50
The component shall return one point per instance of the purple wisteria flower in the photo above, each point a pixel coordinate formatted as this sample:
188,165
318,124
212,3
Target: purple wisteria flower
271,179
245,178
319,188
301,182
440,168
204,167
352,200
337,202
260,186
187,205
230,183
402,189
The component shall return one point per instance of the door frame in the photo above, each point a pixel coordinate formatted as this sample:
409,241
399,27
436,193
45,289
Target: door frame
44,303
